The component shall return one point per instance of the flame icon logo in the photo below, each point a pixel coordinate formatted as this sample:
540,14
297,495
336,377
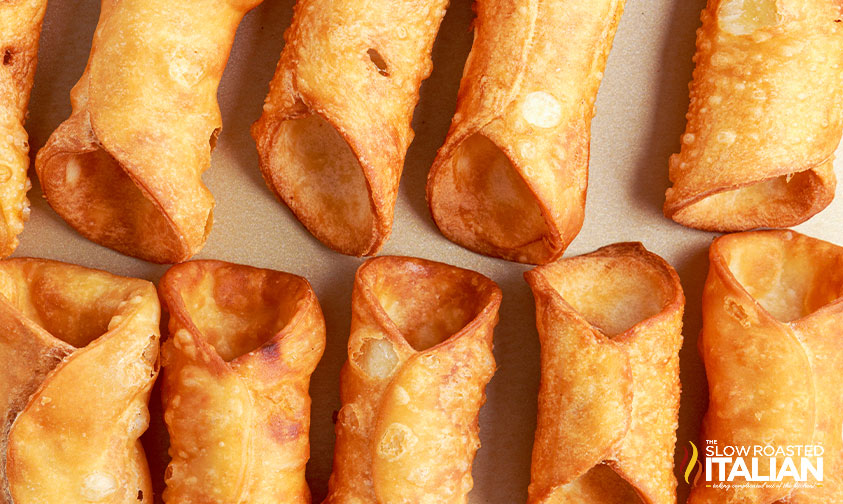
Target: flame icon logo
692,463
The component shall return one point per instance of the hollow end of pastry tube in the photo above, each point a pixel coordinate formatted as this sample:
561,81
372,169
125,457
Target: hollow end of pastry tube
236,308
599,484
96,195
789,274
313,168
590,311
781,201
481,201
72,303
614,288
425,302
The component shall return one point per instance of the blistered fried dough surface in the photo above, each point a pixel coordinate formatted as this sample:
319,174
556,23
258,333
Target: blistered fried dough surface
125,168
420,356
510,180
772,344
765,118
20,27
610,325
336,123
79,349
243,343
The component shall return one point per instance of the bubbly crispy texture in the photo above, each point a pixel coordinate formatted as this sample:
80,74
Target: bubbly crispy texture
125,168
765,117
80,354
610,325
336,123
20,27
243,344
510,180
419,359
772,344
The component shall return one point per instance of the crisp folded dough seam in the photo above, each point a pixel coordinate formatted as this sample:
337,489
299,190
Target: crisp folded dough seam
784,388
609,360
244,342
413,384
496,198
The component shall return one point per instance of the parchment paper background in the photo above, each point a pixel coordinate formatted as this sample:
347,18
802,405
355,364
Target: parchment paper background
640,116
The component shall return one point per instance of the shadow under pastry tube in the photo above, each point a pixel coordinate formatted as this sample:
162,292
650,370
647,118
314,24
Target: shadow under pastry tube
125,169
510,180
772,345
419,359
765,117
243,343
335,126
20,30
79,349
610,326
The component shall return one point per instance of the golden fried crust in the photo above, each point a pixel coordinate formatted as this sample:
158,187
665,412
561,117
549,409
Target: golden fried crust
243,344
765,117
80,354
511,178
20,27
772,344
610,325
125,168
419,359
336,123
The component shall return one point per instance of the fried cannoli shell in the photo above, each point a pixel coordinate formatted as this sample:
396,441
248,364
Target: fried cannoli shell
765,118
772,344
336,123
420,356
20,28
243,343
610,325
79,349
510,180
125,169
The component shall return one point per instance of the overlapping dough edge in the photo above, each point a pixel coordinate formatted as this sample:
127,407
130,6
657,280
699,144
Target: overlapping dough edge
772,346
610,326
243,343
510,180
765,117
125,169
80,354
336,122
420,356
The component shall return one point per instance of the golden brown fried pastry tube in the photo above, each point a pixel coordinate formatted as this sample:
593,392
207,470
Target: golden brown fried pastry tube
510,180
243,344
765,118
336,123
20,27
419,359
79,353
772,344
125,168
610,325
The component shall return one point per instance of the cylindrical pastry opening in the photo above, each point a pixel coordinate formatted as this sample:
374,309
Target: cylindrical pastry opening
96,196
608,293
481,192
324,183
783,271
789,199
600,484
236,308
74,304
426,301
